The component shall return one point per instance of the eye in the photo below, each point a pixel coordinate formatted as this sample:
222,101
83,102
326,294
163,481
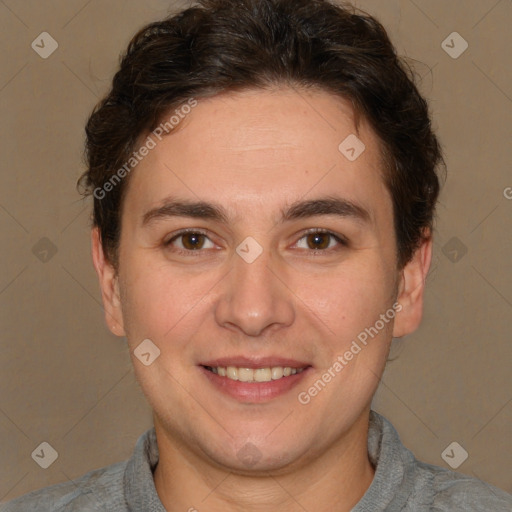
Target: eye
188,241
194,241
320,241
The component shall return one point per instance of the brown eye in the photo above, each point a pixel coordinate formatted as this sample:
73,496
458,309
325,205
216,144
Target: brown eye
318,240
192,241
321,241
189,241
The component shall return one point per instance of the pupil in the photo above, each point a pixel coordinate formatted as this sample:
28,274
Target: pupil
319,241
192,240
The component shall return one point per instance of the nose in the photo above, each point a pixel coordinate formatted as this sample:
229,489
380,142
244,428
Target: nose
254,297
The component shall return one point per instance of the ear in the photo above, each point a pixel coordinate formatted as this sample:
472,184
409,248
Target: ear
109,286
410,289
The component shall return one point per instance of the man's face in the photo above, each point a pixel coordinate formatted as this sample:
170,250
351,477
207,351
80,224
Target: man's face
306,280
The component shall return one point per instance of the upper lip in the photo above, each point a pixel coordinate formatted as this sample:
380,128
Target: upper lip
255,362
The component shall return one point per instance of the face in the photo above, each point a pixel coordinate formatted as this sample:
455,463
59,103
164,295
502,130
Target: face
252,248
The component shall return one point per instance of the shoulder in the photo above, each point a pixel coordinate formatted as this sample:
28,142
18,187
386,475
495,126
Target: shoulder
417,486
457,491
92,492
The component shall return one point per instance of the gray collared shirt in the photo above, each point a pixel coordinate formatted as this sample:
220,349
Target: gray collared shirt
401,483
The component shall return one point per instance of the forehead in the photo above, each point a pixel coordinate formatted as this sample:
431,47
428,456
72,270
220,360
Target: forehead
263,149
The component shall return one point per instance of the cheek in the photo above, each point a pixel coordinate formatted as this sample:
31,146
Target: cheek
354,295
350,305
156,302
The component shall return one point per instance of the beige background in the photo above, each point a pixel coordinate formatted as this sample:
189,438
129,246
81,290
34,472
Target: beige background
67,381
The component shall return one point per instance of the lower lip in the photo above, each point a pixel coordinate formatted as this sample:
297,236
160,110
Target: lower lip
254,392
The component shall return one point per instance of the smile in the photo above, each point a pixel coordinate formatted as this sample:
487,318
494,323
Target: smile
243,374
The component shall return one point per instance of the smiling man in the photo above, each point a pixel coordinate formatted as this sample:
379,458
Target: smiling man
264,182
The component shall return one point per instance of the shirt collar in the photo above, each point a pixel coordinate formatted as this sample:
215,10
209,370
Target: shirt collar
139,486
395,468
390,489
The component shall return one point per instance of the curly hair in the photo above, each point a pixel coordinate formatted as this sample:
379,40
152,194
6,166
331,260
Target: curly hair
220,46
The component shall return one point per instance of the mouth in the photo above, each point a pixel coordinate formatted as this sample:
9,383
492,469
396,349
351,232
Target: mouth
254,381
243,374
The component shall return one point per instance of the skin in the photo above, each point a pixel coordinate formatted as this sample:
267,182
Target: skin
255,153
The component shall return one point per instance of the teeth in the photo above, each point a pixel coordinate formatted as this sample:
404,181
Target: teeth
254,375
262,375
245,374
232,373
277,372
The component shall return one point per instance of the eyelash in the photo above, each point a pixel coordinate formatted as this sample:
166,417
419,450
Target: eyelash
343,242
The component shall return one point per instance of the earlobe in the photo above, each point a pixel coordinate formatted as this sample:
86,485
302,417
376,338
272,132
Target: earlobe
109,285
411,289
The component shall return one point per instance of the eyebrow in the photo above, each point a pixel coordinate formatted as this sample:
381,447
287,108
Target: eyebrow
330,205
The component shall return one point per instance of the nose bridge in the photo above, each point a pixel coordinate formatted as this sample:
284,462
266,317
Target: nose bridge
253,298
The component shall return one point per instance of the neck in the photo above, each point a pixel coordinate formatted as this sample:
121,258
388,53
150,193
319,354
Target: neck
334,481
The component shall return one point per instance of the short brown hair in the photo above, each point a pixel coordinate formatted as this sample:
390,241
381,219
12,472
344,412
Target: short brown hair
227,45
